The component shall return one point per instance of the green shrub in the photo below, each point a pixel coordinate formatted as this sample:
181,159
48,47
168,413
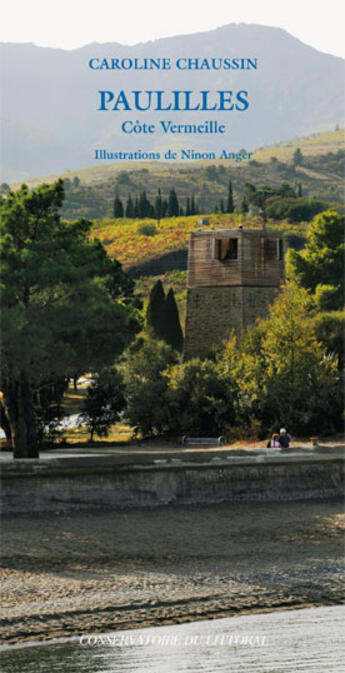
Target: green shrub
147,229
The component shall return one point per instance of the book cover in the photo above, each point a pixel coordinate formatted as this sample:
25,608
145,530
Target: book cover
171,404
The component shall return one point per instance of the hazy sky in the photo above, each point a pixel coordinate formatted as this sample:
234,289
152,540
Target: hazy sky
72,23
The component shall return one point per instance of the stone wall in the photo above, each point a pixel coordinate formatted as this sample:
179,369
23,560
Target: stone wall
44,486
212,312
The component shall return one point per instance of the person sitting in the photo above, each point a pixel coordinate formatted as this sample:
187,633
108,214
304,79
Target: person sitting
274,442
284,438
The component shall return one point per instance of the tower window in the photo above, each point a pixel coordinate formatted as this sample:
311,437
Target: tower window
270,248
226,248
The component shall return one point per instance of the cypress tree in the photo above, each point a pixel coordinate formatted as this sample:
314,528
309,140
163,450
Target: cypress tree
299,190
192,206
173,205
158,206
174,334
230,204
129,207
144,206
188,207
136,208
156,311
118,207
244,206
164,208
222,206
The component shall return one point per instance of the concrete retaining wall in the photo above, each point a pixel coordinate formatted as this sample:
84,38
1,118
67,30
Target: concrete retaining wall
67,484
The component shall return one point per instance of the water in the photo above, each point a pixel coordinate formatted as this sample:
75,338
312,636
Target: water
308,640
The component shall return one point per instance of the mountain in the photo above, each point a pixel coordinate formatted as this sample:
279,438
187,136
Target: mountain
49,117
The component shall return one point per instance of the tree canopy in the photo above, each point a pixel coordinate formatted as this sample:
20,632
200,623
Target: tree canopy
66,306
322,260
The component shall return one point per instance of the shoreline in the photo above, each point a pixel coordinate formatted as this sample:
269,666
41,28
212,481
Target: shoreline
92,572
10,644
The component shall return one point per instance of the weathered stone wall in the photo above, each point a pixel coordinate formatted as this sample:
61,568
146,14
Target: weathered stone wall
212,312
40,487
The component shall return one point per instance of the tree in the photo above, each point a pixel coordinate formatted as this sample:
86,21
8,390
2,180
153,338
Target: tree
103,403
173,205
136,207
156,311
129,207
146,386
66,306
291,378
297,158
145,208
322,259
329,328
293,209
230,204
118,207
158,206
211,172
173,330
199,399
244,206
123,178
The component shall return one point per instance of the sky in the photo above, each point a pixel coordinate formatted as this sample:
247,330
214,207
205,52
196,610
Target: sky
69,24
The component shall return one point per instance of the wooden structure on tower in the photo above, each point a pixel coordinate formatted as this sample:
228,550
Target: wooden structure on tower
233,276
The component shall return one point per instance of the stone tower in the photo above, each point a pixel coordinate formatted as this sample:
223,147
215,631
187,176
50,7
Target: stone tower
233,276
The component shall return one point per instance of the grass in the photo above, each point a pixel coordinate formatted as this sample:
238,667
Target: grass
118,434
310,146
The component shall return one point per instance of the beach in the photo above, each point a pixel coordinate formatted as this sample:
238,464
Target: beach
96,571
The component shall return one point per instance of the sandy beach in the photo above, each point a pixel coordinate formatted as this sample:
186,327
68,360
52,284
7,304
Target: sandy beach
69,574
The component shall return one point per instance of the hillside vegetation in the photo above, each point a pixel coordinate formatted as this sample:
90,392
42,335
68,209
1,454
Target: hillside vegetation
90,192
124,242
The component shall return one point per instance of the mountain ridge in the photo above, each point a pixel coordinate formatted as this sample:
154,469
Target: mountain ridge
53,93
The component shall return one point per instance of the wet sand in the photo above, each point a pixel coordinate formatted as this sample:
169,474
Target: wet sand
88,572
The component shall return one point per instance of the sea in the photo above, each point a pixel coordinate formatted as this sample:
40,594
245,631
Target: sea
309,640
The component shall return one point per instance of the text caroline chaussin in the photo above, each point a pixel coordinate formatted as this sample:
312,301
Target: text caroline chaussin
166,100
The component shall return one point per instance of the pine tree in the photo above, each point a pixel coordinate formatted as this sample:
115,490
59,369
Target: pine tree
230,204
129,207
156,311
174,335
118,207
173,206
